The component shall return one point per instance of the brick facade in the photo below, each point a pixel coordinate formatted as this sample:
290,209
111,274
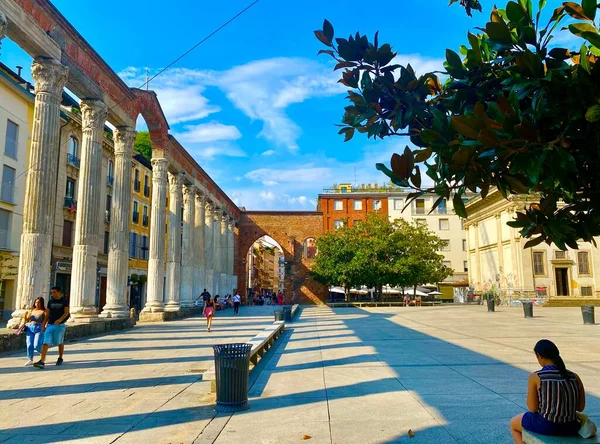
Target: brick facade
350,211
289,229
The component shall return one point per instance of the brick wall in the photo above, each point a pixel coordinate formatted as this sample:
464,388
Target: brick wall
290,230
348,213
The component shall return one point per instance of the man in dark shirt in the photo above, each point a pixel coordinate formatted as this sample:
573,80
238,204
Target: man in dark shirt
54,326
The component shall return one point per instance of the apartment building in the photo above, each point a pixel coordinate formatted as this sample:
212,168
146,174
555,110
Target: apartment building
16,121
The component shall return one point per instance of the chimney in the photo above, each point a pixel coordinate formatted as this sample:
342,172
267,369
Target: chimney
19,69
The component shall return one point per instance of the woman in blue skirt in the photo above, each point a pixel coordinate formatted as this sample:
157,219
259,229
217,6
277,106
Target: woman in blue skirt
554,396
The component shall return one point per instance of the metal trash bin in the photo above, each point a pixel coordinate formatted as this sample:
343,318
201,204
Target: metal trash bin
587,311
490,304
288,314
232,363
279,315
528,309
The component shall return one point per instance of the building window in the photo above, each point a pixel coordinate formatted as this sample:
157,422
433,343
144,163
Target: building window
310,248
110,175
444,224
136,181
5,229
560,254
338,205
586,291
106,241
376,205
70,202
447,264
356,222
337,224
445,245
583,262
420,206
8,184
539,268
135,215
464,243
72,158
67,240
145,216
145,254
146,186
442,208
462,224
358,205
133,245
108,208
398,204
12,139
465,266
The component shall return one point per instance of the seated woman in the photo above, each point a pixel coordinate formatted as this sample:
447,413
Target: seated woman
554,396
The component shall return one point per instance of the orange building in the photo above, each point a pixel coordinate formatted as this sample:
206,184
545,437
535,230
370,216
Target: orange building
344,204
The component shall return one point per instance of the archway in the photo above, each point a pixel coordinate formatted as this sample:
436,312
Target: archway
264,271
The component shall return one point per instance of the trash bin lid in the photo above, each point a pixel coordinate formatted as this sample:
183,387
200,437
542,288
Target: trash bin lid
232,350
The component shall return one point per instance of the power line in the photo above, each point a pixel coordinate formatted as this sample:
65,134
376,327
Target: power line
145,84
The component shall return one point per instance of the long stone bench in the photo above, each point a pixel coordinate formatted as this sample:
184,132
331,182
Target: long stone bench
534,438
376,304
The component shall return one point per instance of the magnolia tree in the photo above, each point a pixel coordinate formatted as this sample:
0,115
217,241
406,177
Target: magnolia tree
377,252
511,110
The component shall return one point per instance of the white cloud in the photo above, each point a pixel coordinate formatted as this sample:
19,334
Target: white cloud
208,132
270,183
268,153
301,175
420,64
208,152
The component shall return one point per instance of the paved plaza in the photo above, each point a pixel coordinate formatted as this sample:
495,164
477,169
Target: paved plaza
450,374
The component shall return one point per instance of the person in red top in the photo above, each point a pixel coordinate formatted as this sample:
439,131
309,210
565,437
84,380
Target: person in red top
280,298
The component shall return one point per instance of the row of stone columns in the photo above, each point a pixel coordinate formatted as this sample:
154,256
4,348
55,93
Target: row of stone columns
203,259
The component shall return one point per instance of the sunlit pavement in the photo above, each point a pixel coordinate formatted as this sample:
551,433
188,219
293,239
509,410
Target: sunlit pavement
450,374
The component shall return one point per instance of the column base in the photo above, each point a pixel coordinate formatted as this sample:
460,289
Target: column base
84,314
115,311
16,319
172,306
153,307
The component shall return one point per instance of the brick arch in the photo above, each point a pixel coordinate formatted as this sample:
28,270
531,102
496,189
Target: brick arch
289,229
149,107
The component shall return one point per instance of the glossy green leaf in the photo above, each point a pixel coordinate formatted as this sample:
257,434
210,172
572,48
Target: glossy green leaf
589,7
593,114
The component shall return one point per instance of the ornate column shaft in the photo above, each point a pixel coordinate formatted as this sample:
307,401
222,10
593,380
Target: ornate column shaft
118,252
174,244
224,284
87,227
156,264
199,266
208,246
216,249
187,248
40,186
231,251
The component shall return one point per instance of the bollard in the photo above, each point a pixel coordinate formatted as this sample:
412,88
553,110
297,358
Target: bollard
490,304
528,309
587,312
132,313
232,370
279,315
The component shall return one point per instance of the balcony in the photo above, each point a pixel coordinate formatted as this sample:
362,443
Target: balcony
136,186
136,218
146,191
70,204
73,160
145,221
110,180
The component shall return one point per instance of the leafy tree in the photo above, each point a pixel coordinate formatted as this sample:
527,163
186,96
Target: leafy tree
143,144
513,113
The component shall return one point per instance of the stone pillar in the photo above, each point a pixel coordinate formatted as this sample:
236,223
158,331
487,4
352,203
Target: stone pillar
84,275
199,265
231,255
3,27
208,246
224,284
174,243
187,247
40,186
156,264
118,249
216,249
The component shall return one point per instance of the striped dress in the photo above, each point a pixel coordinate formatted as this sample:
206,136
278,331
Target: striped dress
558,396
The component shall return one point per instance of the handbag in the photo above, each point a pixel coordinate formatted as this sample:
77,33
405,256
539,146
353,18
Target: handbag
588,428
21,329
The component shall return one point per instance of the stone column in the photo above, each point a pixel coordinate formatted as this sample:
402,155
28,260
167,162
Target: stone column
84,274
3,27
231,255
118,249
199,265
208,246
174,244
224,284
156,264
216,249
40,186
187,247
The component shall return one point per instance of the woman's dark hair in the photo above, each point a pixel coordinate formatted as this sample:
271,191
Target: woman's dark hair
41,301
548,349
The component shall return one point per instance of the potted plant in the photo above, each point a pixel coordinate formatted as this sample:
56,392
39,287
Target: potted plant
490,296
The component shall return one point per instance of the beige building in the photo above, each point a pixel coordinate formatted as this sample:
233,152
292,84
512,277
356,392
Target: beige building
497,256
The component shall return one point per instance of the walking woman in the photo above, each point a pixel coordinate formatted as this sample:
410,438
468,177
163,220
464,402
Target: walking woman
554,396
34,320
209,312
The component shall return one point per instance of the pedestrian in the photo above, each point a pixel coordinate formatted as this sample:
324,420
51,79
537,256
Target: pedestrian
55,327
554,397
205,297
280,298
209,312
34,328
236,302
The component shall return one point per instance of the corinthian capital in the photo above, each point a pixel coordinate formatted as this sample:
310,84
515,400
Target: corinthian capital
159,169
49,76
174,182
3,25
124,136
94,113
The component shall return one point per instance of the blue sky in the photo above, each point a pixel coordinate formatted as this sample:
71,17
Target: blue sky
254,104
